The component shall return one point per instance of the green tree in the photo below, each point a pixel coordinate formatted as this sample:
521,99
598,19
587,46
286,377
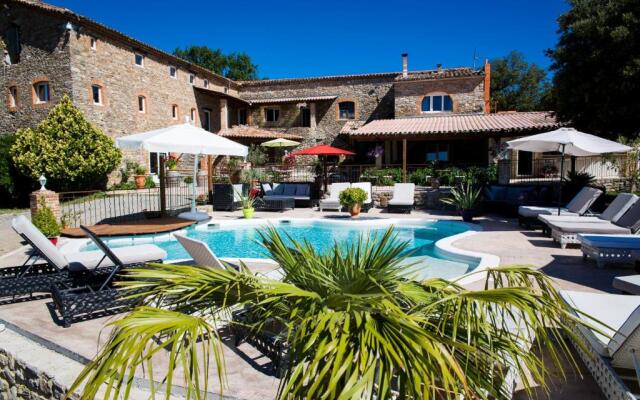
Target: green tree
67,149
518,85
597,66
14,186
236,66
355,326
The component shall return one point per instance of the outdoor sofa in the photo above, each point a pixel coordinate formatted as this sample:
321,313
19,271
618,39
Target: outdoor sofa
226,196
403,198
608,344
567,232
505,199
580,204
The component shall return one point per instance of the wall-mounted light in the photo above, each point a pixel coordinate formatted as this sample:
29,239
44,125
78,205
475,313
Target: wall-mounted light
68,26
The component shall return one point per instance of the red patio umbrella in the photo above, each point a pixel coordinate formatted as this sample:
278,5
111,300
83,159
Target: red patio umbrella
323,150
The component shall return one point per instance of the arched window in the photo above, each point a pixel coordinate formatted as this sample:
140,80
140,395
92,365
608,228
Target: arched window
97,94
12,98
41,92
437,102
347,110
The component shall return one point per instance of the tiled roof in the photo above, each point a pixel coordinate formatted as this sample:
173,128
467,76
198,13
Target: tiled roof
441,73
290,99
459,123
79,19
351,126
246,131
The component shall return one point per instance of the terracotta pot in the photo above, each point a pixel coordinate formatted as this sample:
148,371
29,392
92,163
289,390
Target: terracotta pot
247,212
140,179
54,240
467,215
355,210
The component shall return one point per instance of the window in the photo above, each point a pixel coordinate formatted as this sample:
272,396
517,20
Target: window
94,43
96,93
13,97
271,114
305,117
174,111
347,110
142,104
206,121
206,83
437,103
242,116
192,79
42,92
154,162
173,72
139,60
193,115
437,152
13,43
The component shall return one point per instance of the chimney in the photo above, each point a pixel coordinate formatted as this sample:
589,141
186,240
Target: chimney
487,87
405,68
439,67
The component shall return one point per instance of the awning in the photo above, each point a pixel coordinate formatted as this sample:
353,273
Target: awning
291,99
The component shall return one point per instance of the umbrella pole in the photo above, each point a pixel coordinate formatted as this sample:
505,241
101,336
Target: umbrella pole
324,168
194,184
561,179
163,200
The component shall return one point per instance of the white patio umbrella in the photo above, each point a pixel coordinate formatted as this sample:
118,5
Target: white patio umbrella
567,141
184,138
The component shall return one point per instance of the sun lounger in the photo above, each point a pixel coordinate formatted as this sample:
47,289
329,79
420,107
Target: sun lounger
94,294
627,284
63,271
366,186
403,198
567,232
609,350
333,201
606,249
618,207
580,204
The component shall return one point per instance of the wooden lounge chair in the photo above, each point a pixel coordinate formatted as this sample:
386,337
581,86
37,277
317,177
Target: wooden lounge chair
609,348
580,204
93,293
403,198
366,186
333,201
567,232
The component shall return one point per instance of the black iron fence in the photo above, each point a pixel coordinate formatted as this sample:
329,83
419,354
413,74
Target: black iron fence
91,207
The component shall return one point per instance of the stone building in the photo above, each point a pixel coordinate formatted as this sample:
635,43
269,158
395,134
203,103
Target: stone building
126,86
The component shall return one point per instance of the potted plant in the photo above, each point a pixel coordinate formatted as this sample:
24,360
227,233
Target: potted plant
233,167
140,176
46,222
464,198
352,199
248,202
173,175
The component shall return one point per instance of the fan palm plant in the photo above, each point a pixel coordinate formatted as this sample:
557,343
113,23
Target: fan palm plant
355,326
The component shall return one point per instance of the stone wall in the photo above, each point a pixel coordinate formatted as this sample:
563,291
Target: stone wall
21,381
467,95
424,197
373,98
44,56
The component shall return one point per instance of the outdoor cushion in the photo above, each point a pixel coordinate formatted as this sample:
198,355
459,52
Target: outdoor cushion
366,186
89,260
302,189
403,194
496,193
631,219
336,188
534,211
627,284
583,200
554,219
619,206
590,227
237,191
266,188
278,188
611,241
50,252
289,190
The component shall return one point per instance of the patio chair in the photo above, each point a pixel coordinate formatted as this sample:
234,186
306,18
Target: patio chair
609,249
403,198
580,204
618,207
609,348
59,270
567,232
94,294
333,201
366,186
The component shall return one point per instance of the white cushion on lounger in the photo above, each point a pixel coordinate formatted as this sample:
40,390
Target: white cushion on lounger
627,284
620,315
89,260
403,194
552,219
611,241
366,186
534,211
583,200
593,227
24,227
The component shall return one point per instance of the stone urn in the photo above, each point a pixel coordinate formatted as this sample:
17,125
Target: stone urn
173,177
355,209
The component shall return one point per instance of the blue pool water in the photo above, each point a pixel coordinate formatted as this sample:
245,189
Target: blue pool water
243,241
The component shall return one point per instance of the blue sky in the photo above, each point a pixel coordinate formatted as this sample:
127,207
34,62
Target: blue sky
303,38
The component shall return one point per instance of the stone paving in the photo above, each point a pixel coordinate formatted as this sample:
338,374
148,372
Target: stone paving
248,376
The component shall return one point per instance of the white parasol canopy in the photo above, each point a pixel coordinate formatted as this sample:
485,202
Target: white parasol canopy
569,141
184,138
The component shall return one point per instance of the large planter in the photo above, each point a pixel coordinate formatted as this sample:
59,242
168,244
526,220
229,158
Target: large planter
355,209
140,180
173,177
467,215
247,212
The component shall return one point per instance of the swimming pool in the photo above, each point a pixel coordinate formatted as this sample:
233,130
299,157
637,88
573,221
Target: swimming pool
240,239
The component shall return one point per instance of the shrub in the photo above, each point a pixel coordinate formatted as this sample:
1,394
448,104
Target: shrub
127,170
14,186
188,180
351,196
171,163
140,170
149,183
383,176
465,197
257,155
46,221
419,176
67,149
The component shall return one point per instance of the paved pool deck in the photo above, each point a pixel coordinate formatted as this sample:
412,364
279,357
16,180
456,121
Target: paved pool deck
248,373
